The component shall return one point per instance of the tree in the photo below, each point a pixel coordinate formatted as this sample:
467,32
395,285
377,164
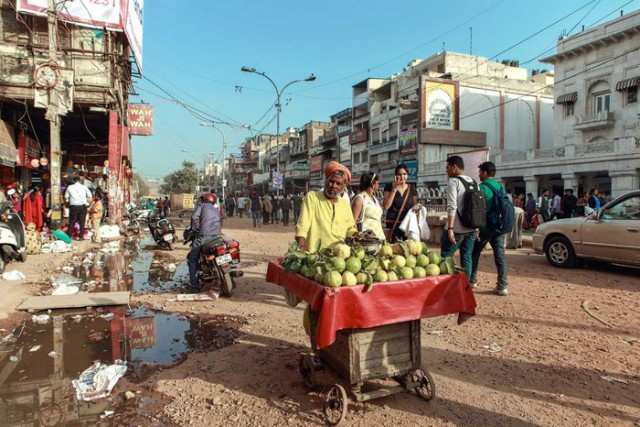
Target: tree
181,181
139,183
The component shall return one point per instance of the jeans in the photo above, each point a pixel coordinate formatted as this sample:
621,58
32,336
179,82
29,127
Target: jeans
465,242
496,241
193,259
285,217
256,218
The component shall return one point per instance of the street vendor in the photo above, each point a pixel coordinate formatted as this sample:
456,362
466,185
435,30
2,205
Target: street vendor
325,216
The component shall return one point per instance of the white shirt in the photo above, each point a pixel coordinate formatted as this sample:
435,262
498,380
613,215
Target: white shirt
77,195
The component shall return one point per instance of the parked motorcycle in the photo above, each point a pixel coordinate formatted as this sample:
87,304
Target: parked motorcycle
219,259
13,244
130,220
161,229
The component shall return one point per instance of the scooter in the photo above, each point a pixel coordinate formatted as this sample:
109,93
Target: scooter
130,221
13,244
219,259
161,229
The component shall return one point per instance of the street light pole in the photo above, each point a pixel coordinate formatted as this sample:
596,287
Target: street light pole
278,105
224,149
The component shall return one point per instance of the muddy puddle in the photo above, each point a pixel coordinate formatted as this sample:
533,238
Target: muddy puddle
38,361
129,265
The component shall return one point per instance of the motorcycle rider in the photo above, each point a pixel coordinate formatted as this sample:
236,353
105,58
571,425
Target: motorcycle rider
207,222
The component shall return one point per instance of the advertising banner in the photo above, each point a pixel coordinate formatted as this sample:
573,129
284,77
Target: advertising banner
28,149
114,15
316,163
408,141
277,180
412,166
440,106
140,119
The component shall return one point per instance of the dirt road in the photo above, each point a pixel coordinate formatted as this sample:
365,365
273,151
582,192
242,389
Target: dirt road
536,357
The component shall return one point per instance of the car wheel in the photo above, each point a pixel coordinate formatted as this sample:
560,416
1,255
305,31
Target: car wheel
560,253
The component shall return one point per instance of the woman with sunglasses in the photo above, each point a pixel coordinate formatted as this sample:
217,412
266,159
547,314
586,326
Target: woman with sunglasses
367,211
399,198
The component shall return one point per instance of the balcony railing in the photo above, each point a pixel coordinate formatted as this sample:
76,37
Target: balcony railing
601,120
385,147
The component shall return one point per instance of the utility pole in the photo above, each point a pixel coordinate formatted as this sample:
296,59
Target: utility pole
53,116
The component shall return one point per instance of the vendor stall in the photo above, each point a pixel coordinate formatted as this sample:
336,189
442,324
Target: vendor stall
362,335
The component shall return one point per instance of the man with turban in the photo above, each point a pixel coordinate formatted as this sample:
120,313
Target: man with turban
325,216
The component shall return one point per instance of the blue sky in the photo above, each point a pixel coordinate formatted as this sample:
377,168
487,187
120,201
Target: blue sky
193,51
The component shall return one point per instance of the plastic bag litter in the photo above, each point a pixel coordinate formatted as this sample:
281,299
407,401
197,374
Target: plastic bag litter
107,316
109,231
40,319
65,279
65,289
56,246
67,268
97,381
35,348
170,267
13,275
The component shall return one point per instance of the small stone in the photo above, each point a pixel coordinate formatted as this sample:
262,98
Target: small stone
129,395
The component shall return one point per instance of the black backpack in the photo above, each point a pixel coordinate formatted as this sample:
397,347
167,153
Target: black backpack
474,212
502,216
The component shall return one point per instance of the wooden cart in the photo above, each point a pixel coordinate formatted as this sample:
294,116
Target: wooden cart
361,355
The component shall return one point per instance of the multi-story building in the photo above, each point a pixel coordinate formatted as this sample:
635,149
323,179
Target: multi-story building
596,140
310,137
360,129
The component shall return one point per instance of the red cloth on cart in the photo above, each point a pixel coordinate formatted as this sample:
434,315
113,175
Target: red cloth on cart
387,303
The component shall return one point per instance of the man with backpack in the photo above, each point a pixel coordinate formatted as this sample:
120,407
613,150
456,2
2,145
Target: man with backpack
500,220
465,213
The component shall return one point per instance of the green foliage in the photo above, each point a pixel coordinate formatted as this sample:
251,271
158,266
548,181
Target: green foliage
181,181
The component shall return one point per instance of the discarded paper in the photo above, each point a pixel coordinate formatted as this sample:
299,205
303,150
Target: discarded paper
492,348
97,381
13,275
209,296
41,319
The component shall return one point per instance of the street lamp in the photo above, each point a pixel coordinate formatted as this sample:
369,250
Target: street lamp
224,148
278,104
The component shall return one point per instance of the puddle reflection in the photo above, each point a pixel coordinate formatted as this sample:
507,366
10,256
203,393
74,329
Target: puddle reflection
130,265
39,361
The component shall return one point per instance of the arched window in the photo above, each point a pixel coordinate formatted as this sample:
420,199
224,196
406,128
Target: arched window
600,97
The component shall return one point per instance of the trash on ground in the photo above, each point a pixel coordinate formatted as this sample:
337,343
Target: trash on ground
107,316
14,358
67,268
65,289
97,381
170,267
53,354
34,348
614,379
492,348
129,395
65,279
13,275
40,319
195,297
436,332
109,232
81,299
56,246
106,414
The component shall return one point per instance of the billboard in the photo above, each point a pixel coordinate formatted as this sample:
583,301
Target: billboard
440,108
114,15
140,119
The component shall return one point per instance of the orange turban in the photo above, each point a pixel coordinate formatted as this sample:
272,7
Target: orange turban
333,166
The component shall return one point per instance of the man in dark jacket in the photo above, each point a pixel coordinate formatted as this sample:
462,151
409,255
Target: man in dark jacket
285,206
206,218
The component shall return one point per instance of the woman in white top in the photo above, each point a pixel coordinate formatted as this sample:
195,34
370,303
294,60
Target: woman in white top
366,208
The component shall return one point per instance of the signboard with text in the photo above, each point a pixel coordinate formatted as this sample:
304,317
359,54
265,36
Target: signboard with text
440,108
140,119
408,140
141,332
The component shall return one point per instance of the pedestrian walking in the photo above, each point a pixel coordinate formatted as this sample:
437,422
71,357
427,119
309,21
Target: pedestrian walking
256,208
267,209
230,205
594,201
242,204
457,235
543,205
166,206
492,189
296,200
275,213
285,207
77,197
556,207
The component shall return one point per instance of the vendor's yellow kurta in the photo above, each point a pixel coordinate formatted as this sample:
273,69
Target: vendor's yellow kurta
321,220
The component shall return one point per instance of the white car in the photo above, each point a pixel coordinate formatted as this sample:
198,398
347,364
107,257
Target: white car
611,234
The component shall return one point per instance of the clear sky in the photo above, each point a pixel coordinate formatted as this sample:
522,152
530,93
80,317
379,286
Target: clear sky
193,51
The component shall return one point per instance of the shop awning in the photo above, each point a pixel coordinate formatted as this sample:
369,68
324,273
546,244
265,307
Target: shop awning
627,83
567,97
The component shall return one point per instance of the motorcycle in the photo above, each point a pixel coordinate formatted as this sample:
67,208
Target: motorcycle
13,244
130,220
219,259
161,229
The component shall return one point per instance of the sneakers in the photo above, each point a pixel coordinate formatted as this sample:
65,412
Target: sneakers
501,291
473,284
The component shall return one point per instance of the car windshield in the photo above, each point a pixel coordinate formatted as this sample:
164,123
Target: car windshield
625,210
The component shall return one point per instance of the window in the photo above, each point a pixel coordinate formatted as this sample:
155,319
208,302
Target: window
626,210
365,158
569,109
356,158
632,95
602,102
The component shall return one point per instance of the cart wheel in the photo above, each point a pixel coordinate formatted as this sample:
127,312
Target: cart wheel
306,370
427,388
334,406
